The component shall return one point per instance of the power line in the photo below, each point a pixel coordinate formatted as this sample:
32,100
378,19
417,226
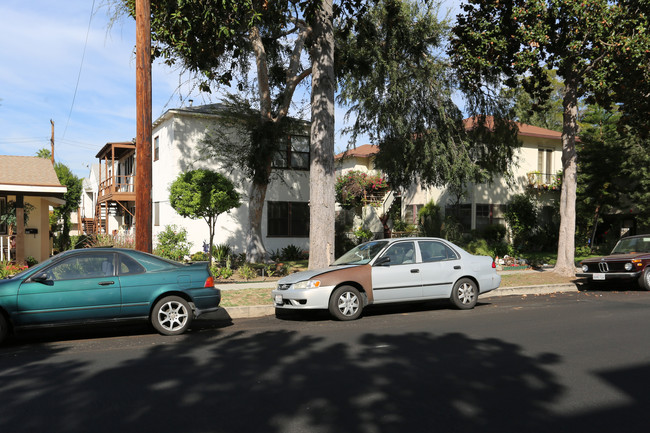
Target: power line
74,97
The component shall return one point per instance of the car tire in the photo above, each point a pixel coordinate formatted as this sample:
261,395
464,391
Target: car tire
171,315
464,294
4,328
644,279
346,303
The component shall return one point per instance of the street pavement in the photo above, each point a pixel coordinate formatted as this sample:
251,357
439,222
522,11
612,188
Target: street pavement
268,310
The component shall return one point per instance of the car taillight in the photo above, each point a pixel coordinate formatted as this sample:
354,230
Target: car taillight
494,264
209,282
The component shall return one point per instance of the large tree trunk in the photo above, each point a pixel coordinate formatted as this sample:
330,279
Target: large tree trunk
255,250
321,177
566,242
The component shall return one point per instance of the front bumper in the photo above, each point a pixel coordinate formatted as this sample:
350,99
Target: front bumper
609,275
302,299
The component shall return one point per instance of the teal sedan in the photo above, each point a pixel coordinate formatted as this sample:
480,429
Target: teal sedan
107,284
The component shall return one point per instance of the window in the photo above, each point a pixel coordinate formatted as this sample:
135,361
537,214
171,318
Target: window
83,266
401,253
433,251
129,266
3,209
288,219
411,213
483,215
545,164
156,148
156,213
293,153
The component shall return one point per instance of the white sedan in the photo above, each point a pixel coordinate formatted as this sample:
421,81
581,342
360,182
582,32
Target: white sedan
390,270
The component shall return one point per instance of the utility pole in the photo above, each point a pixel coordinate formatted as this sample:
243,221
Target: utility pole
143,138
52,142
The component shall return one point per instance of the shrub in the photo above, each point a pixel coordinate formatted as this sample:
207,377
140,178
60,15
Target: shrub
480,247
31,261
363,235
430,220
7,269
493,233
173,243
221,252
353,187
292,252
247,271
451,229
200,256
521,216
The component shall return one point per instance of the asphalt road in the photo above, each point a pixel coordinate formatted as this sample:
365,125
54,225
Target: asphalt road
554,363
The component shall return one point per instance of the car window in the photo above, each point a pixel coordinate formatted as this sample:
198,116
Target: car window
434,251
401,253
129,266
83,266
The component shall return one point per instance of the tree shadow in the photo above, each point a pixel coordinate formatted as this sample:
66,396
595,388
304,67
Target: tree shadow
283,381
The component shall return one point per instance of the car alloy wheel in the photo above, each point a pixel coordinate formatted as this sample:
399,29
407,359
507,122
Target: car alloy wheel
171,315
346,303
465,294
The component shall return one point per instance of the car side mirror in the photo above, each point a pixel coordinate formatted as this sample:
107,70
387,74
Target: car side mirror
40,278
383,261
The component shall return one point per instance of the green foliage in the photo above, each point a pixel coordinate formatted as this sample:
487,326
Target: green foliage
521,216
221,252
493,233
363,235
8,269
451,229
247,271
353,188
203,194
9,215
394,53
430,219
199,256
292,252
72,198
172,243
31,261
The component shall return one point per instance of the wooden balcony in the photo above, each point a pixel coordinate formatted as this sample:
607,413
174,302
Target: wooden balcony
544,181
117,188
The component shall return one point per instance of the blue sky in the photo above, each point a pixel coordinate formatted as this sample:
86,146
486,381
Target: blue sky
42,73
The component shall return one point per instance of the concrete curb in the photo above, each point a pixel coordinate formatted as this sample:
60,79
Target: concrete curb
269,310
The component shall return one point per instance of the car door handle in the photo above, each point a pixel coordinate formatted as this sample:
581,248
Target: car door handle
415,271
106,283
457,267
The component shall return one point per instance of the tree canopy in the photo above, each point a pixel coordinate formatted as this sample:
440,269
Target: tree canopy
500,43
203,194
395,79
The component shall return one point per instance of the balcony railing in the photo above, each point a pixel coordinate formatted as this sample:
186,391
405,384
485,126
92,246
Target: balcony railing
125,183
545,181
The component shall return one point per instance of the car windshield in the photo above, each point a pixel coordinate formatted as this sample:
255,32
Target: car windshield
639,244
361,254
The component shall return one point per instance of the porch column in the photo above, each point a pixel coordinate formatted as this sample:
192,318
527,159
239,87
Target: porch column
20,229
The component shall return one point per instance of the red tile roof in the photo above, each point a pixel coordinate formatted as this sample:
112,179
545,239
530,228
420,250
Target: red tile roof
368,150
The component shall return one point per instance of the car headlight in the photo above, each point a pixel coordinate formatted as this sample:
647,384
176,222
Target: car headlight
585,268
308,284
628,266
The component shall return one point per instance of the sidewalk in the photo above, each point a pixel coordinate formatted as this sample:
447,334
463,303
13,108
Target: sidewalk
269,310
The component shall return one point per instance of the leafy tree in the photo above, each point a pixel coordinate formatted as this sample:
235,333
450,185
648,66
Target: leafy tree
9,215
396,82
219,40
545,113
508,42
521,216
72,198
203,194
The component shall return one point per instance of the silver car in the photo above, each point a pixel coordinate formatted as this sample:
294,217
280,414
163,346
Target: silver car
390,270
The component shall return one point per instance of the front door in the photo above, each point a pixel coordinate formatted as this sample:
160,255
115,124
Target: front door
399,279
81,287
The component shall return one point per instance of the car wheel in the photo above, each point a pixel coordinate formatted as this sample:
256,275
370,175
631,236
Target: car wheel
644,280
171,315
4,328
346,303
465,294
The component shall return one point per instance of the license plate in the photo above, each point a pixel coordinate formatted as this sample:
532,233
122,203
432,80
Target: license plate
599,277
278,299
